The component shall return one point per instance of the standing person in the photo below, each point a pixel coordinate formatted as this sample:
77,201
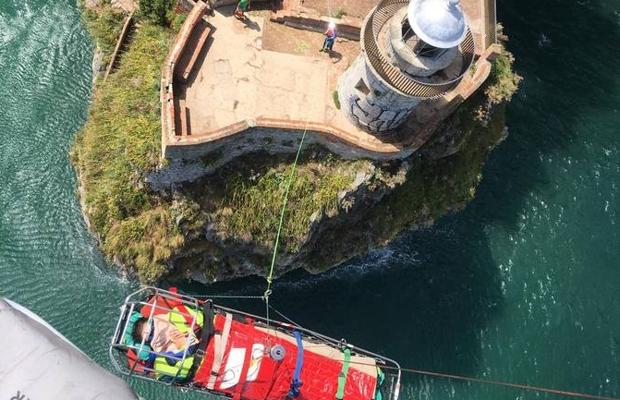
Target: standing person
242,7
330,37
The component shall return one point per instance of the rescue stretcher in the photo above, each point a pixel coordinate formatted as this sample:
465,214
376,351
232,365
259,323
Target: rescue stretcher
244,356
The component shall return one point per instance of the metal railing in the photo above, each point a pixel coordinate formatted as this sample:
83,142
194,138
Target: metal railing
490,21
392,74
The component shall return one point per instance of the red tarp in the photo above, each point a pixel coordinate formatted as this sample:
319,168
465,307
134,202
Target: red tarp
319,373
247,372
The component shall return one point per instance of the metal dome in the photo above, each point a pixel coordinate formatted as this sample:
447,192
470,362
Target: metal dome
440,23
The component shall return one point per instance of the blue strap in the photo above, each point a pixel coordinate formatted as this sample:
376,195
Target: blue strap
296,383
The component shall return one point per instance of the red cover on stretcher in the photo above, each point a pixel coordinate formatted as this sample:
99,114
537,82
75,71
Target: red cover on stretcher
270,379
247,372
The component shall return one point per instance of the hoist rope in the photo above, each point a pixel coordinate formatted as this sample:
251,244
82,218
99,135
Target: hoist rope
500,383
281,222
468,378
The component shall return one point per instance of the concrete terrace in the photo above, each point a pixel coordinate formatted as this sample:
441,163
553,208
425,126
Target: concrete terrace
239,81
219,83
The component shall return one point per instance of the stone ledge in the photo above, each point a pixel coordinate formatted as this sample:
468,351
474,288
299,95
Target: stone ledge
305,19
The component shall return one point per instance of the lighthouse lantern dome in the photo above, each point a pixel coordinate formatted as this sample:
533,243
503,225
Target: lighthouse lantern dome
440,23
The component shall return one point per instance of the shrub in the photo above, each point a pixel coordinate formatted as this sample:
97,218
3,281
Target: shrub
179,19
157,11
503,82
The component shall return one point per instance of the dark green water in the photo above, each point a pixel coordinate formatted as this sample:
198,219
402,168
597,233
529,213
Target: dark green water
524,285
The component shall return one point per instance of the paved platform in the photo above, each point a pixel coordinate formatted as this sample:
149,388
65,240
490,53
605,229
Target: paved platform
236,84
238,80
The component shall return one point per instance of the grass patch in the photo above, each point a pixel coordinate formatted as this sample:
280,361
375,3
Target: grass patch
178,21
118,145
105,26
302,47
336,99
250,207
341,12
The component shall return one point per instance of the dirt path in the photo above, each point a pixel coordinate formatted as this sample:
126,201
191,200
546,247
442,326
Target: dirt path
283,39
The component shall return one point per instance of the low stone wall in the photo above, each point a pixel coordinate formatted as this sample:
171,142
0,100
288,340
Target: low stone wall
167,81
274,137
221,3
348,28
121,39
191,162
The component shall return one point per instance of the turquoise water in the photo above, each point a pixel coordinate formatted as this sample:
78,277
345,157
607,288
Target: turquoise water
522,286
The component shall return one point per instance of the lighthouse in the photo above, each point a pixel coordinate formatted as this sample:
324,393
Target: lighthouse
412,51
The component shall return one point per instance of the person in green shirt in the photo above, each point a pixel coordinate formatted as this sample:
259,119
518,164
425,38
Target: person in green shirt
242,7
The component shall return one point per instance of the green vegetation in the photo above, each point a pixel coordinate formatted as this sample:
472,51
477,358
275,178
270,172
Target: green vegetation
179,19
105,26
341,12
503,81
157,11
336,99
118,145
240,204
251,207
432,188
302,47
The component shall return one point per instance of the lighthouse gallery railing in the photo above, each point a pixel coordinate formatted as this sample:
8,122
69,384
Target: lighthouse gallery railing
393,75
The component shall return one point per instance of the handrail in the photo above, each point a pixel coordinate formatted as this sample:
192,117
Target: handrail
393,75
490,22
121,39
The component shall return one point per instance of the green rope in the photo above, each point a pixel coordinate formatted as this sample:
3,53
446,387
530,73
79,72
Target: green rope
283,211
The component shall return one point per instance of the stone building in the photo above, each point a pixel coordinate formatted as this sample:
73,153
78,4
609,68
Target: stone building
412,52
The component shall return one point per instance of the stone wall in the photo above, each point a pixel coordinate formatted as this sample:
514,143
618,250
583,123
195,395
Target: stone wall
167,79
272,140
348,27
190,162
370,102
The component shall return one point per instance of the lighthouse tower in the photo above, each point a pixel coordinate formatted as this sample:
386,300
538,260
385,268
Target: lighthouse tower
411,51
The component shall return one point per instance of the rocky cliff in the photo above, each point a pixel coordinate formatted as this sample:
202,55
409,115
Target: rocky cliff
223,225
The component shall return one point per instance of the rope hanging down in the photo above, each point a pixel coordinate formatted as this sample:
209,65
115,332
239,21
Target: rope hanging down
281,223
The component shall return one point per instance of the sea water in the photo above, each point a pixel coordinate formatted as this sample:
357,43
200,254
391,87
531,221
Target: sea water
522,286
